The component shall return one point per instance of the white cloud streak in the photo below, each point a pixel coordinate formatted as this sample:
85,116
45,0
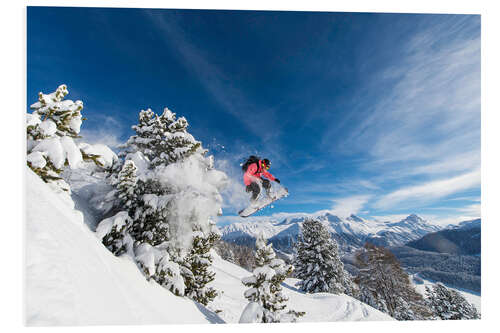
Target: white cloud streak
472,210
389,218
107,133
430,191
430,112
467,213
428,121
459,162
344,207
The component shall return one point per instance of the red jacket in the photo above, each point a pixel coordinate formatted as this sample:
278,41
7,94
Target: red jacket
254,172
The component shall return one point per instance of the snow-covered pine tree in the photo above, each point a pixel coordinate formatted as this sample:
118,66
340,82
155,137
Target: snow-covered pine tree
350,288
317,262
448,304
163,139
198,263
174,198
114,235
265,285
127,180
151,231
51,128
384,285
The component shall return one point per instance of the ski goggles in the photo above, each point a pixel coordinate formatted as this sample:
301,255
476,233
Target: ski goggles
265,166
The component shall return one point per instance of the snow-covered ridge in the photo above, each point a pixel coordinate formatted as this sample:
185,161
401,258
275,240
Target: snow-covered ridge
465,225
352,231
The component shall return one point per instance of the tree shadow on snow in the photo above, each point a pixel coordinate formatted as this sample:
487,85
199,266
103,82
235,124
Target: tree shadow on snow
212,317
288,286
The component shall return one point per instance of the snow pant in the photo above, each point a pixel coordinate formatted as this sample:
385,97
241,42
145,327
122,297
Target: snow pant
254,188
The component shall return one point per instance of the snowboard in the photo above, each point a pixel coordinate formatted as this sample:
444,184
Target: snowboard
262,203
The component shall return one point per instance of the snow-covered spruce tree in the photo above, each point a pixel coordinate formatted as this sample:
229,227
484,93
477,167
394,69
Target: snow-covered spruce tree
265,287
317,262
384,285
163,139
51,128
127,180
175,196
198,263
448,304
115,233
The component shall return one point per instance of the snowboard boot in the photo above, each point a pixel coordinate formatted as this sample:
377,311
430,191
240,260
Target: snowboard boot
266,184
255,190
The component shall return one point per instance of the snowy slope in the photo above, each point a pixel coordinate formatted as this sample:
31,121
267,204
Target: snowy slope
321,307
72,279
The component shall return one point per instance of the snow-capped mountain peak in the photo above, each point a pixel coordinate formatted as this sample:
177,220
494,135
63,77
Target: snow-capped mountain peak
354,218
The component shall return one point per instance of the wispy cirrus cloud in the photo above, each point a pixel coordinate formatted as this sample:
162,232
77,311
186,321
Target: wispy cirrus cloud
108,132
429,110
389,218
455,217
341,187
452,164
430,191
466,198
471,210
421,123
344,207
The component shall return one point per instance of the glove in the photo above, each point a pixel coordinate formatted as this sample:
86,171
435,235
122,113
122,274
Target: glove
277,180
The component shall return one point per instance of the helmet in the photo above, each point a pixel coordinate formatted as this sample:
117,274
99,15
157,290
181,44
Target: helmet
266,163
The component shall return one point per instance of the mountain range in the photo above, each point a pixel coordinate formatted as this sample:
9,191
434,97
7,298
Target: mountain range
350,233
464,238
450,254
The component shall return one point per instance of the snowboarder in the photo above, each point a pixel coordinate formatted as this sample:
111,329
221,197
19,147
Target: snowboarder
254,168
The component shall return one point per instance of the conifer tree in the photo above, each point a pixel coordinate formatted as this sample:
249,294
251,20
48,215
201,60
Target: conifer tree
199,274
169,188
265,284
163,139
114,233
384,285
448,304
125,193
127,180
51,128
317,262
65,115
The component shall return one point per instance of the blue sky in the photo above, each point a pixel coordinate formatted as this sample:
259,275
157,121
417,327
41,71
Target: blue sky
372,114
